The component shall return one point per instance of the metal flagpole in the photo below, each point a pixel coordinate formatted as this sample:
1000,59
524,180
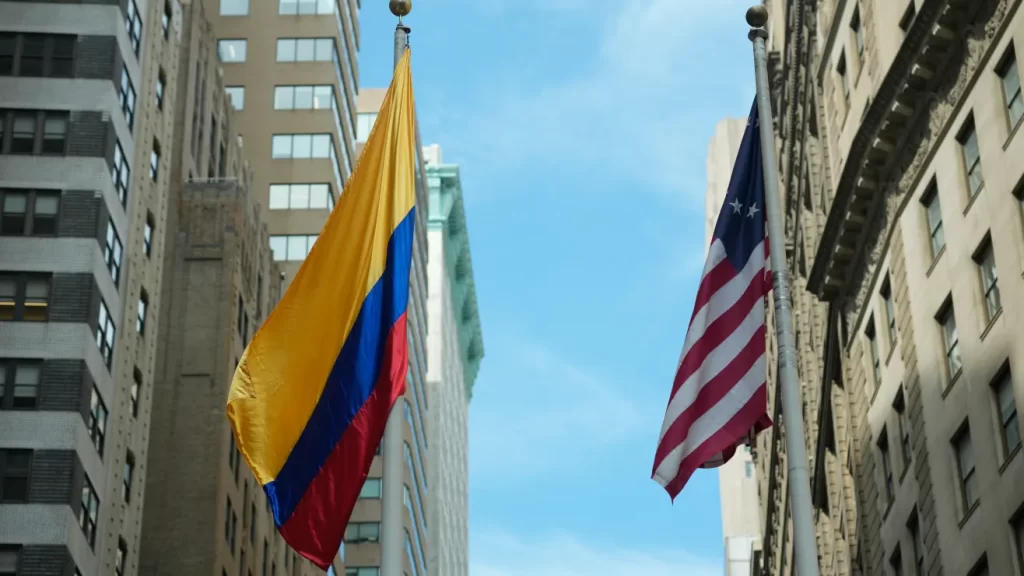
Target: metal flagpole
392,492
805,552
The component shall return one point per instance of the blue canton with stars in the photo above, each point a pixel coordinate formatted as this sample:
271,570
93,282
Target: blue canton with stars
741,222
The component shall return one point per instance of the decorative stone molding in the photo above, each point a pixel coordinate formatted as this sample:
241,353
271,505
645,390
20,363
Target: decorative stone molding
920,147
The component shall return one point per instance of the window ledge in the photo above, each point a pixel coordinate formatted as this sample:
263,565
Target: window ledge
970,512
952,383
1009,458
1013,132
892,351
935,261
991,323
972,199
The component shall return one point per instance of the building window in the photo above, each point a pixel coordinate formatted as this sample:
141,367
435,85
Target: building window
126,479
266,552
24,297
1018,538
304,7
986,261
88,511
968,140
165,20
896,562
161,81
890,312
127,97
319,97
876,363
369,571
1010,77
301,146
293,248
147,234
34,133
29,212
105,332
97,421
135,389
301,197
237,94
140,319
364,123
41,55
232,50
908,17
1006,402
120,174
122,556
14,473
305,49
112,252
19,384
933,212
370,489
858,33
844,78
154,161
234,7
916,543
951,340
965,470
234,531
886,462
903,424
133,24
227,521
359,532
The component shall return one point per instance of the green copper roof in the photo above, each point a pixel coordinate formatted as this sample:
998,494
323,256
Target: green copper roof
447,212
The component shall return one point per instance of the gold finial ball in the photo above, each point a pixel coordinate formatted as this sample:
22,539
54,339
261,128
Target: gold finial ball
757,16
400,7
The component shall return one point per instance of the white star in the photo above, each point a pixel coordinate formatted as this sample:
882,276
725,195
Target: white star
752,210
736,206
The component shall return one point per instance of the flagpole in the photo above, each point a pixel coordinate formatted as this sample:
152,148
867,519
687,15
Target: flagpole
805,551
392,497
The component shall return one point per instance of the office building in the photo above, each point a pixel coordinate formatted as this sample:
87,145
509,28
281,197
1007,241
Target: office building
206,513
455,348
83,189
899,147
366,530
737,485
290,67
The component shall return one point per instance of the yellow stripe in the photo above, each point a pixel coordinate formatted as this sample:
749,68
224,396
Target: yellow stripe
282,372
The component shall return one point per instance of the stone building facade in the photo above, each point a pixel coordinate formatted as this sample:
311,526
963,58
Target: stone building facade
897,123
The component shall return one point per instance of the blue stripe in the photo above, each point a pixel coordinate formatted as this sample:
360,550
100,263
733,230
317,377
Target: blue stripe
352,378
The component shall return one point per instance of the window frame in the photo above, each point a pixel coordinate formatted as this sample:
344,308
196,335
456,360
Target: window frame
226,42
9,118
875,355
889,305
96,425
967,139
88,511
147,234
936,229
113,252
48,58
963,449
121,173
134,391
106,334
885,455
221,11
1013,102
950,339
128,97
903,426
9,367
1007,416
237,104
154,161
16,473
142,312
988,275
21,282
133,25
32,197
127,475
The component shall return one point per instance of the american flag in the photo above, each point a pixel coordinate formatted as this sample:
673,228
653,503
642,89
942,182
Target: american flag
718,398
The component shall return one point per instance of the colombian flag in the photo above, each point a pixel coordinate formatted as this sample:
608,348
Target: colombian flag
313,390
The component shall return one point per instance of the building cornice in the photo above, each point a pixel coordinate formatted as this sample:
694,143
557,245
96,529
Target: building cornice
447,213
908,118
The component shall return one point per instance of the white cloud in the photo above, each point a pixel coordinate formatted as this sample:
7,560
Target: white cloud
640,109
540,405
563,554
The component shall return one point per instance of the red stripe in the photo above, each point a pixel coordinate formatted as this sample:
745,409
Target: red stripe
720,329
712,282
752,415
711,394
317,526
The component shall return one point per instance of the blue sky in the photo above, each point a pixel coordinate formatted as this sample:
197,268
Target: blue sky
581,127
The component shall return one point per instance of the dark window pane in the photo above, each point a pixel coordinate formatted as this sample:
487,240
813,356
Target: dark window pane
33,48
